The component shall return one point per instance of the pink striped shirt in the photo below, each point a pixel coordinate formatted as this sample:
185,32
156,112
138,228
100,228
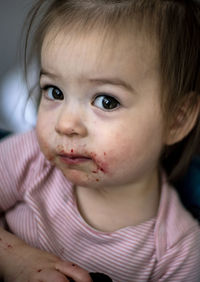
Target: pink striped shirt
40,208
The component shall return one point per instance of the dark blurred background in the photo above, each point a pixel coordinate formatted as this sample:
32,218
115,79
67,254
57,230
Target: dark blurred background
12,17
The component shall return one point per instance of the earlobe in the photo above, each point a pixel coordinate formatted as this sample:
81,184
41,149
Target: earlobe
184,121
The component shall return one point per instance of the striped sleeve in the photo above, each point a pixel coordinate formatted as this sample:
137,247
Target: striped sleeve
181,261
16,156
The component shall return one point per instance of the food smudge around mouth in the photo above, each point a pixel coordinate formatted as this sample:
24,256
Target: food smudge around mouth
101,166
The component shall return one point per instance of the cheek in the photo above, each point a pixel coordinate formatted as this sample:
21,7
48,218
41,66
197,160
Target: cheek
111,156
133,150
118,153
44,138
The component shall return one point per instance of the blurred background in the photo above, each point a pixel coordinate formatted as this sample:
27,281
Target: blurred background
16,114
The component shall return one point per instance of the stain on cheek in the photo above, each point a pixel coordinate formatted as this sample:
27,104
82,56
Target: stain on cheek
9,246
49,157
101,164
39,270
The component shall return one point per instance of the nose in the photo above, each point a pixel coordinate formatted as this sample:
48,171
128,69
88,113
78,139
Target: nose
71,123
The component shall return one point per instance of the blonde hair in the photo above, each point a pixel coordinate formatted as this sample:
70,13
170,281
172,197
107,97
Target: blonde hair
176,27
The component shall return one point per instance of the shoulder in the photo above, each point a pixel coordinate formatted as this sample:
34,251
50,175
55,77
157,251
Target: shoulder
20,156
174,222
177,240
21,139
18,149
20,142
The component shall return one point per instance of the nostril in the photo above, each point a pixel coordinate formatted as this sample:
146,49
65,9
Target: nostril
71,127
64,129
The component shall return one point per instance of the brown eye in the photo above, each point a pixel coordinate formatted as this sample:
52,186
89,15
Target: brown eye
54,93
106,102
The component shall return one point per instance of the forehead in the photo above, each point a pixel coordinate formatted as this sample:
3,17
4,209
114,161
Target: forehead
120,52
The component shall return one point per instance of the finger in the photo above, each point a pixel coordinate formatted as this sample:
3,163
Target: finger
73,271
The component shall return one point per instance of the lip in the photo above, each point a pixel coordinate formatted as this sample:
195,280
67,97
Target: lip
73,158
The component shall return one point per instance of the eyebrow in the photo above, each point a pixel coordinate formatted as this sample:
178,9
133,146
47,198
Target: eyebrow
44,72
113,81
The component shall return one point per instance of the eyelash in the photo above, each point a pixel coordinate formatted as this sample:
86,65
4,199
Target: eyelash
45,89
106,98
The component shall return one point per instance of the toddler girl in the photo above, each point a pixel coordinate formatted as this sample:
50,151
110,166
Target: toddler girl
88,189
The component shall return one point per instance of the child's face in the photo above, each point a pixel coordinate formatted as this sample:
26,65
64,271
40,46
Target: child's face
100,118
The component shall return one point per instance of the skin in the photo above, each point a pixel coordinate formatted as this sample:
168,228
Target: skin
22,263
121,178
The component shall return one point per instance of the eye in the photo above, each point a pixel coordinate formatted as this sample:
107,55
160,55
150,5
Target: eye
106,102
53,93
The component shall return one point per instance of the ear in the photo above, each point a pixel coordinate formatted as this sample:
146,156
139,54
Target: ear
183,122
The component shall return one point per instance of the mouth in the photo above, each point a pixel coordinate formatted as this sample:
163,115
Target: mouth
73,158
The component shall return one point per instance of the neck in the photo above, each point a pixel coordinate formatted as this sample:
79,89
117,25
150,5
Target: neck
118,207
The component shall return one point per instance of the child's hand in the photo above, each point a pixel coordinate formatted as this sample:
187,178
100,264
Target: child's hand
27,264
